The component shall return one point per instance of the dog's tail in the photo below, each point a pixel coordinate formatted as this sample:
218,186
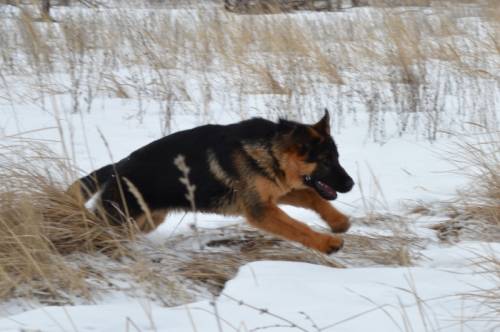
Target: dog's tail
87,186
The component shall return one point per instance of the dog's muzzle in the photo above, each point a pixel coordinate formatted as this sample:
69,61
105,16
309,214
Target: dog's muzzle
323,189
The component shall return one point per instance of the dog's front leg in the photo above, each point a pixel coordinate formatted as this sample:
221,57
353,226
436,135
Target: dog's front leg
272,219
309,199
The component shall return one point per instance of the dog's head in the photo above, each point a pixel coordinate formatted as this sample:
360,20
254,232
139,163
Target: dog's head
317,156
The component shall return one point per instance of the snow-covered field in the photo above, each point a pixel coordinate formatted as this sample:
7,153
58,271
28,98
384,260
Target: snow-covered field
283,296
396,120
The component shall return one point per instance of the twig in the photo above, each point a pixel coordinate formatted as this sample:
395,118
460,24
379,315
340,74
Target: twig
265,311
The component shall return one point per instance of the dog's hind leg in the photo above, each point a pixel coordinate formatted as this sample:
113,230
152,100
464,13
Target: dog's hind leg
272,219
116,204
308,198
85,187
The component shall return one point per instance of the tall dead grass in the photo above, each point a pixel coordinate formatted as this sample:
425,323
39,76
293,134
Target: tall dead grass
482,159
200,59
474,214
489,265
40,224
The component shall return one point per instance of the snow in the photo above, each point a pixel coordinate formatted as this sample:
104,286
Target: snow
430,296
311,297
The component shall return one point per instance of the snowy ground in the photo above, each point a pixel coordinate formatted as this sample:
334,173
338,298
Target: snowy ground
435,295
432,295
434,292
284,296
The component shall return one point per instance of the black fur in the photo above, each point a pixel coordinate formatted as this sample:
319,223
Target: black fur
152,171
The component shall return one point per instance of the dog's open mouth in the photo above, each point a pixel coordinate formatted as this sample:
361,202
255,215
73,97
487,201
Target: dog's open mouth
322,188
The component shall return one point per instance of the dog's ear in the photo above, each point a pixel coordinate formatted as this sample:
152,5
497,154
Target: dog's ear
323,125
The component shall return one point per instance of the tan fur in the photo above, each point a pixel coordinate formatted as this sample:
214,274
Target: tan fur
314,133
218,172
268,191
261,157
78,191
145,225
274,220
308,198
295,168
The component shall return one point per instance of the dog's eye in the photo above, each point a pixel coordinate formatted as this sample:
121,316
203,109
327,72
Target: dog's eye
326,162
304,148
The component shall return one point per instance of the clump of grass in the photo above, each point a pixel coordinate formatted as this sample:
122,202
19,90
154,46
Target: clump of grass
475,212
489,266
40,223
482,159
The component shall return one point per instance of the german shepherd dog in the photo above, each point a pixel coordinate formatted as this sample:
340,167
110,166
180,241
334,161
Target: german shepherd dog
246,169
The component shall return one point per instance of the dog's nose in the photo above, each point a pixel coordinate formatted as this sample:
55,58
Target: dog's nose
348,184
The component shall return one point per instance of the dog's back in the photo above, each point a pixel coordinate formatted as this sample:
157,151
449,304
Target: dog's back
152,172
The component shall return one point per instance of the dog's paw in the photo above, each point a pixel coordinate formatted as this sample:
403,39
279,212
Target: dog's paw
330,244
340,225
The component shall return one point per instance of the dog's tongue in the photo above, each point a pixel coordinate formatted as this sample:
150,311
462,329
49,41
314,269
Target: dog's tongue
326,189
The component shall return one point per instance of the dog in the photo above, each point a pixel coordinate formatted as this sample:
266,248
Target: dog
246,168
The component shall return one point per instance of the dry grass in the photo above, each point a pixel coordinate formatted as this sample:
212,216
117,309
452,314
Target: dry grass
40,223
475,213
482,199
384,60
226,249
489,265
